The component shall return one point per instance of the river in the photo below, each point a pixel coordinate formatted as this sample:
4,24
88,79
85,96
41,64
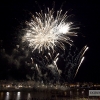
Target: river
74,94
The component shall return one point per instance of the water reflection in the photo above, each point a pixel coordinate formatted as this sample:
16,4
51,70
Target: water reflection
77,93
1,95
28,96
48,95
18,96
7,96
71,93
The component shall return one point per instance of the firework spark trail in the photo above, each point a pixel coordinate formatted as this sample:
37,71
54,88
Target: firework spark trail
81,58
47,32
79,66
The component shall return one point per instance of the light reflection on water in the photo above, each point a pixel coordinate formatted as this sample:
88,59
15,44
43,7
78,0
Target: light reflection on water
40,95
18,96
7,96
28,96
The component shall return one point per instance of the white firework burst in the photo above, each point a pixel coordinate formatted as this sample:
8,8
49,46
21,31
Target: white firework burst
46,31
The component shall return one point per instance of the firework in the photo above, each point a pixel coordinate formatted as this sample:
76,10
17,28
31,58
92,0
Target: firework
81,59
47,32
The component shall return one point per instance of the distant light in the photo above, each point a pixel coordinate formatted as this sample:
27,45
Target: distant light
8,86
20,86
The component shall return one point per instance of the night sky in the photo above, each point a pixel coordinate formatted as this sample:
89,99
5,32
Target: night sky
85,14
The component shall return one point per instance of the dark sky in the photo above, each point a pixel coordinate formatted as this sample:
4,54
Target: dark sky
13,13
